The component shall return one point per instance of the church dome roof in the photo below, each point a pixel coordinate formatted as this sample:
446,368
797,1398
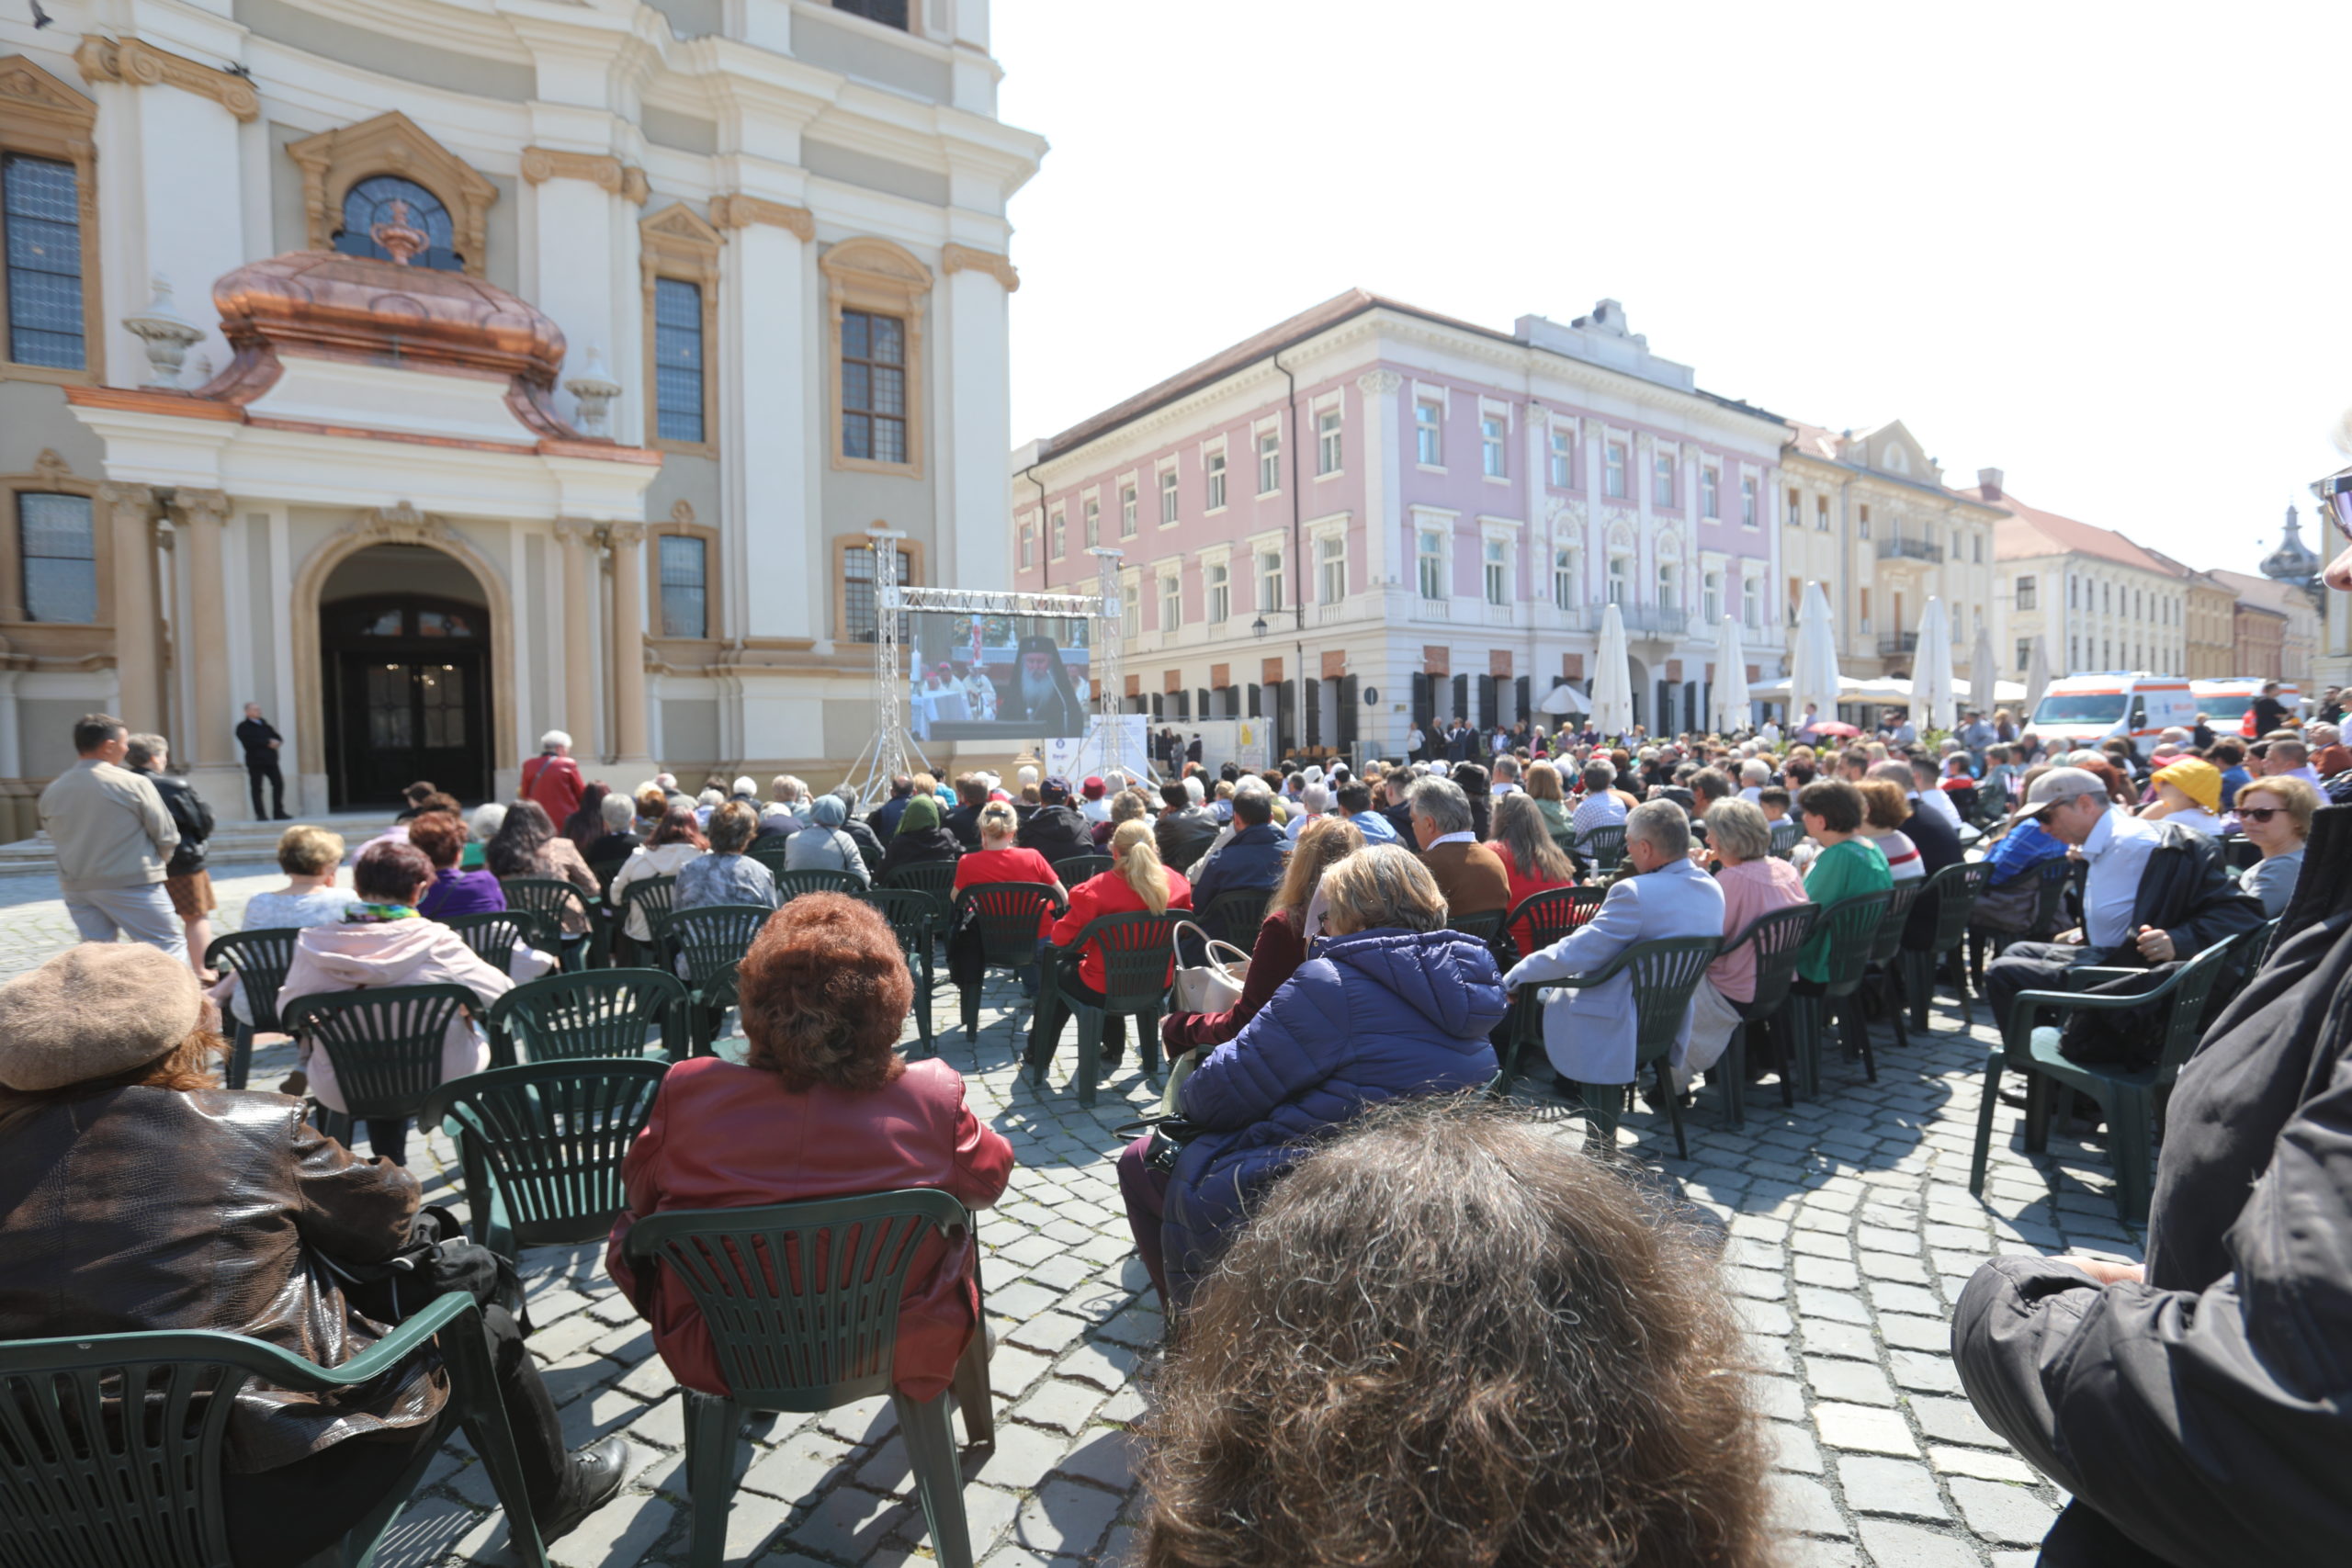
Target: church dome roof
2292,561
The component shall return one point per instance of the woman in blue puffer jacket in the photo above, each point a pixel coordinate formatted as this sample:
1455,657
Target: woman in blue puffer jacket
1387,1004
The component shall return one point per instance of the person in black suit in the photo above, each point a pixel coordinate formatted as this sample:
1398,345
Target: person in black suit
261,743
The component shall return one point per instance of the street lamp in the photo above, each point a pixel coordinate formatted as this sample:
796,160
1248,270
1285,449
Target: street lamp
1258,628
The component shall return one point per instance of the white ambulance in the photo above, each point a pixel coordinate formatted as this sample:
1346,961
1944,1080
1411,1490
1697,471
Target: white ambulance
2228,706
2086,711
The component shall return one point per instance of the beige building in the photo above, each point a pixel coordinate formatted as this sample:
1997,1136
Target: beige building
2098,600
2298,632
1866,515
2209,648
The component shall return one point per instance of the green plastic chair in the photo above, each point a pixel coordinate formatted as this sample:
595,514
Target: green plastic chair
801,1300
1786,834
1847,930
2052,879
1234,917
599,1014
1004,918
914,919
1952,892
82,1488
1487,925
2130,1099
1605,847
712,939
1541,918
1665,974
935,877
1887,941
1137,950
1075,869
769,849
656,895
386,1046
552,897
791,884
1777,939
493,933
260,958
540,1146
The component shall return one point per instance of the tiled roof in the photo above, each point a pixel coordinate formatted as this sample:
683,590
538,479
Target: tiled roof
2030,531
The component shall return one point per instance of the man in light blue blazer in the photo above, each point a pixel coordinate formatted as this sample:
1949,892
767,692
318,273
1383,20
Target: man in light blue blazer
1588,1031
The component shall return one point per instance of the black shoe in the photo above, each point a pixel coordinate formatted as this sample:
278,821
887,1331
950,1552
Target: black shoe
593,1478
283,817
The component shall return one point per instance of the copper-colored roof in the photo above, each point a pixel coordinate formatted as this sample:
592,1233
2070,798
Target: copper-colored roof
355,306
2030,531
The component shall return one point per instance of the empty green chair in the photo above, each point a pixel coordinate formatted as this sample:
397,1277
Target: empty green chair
83,1488
815,1328
601,1012
540,1145
914,920
385,1044
791,884
1137,950
1665,973
260,958
1846,928
712,939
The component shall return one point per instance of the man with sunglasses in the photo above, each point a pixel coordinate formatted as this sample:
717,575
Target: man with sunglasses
2196,1406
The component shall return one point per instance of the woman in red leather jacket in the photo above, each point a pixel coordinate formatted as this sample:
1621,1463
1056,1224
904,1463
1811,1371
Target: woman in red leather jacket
824,1108
1281,946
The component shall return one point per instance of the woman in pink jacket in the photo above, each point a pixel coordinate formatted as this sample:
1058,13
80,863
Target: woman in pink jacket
381,942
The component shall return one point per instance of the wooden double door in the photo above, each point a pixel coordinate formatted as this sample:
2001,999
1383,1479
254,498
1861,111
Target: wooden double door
408,698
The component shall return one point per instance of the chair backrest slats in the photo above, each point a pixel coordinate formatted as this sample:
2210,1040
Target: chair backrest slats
1005,916
1606,845
1137,949
1888,936
1665,975
602,1013
712,939
913,917
385,1044
1541,918
493,934
1955,890
549,898
1776,939
549,1139
1075,869
1235,916
1850,926
790,884
261,957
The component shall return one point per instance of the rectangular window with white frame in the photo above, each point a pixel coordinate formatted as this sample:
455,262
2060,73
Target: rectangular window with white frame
1429,435
1794,516
2025,590
1028,545
1269,462
1748,500
1563,459
1711,597
1217,578
1057,534
1131,608
1662,479
1330,451
1215,466
1495,559
1126,512
1613,469
1710,500
1565,593
1093,522
1820,514
1429,555
1269,579
1332,568
1751,604
1171,601
1167,489
1490,446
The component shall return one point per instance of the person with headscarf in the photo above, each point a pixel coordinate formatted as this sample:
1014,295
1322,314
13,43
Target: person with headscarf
1037,695
823,845
922,837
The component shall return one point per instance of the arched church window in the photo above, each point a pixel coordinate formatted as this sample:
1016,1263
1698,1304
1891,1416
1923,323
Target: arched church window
388,199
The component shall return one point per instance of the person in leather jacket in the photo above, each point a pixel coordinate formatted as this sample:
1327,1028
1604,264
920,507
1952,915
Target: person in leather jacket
185,881
2194,1405
136,1196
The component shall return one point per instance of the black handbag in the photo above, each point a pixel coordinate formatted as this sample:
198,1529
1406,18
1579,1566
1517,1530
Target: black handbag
1169,1133
437,1258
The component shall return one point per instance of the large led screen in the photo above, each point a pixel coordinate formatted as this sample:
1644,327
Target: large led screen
999,678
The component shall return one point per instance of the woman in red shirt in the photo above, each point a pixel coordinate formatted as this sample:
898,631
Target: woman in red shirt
822,1108
1532,858
1281,946
1000,860
1136,881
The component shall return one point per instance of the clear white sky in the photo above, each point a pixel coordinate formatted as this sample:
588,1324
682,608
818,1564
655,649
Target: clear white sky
2106,248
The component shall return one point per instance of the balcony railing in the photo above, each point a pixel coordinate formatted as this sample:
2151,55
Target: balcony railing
1910,549
1656,620
1898,644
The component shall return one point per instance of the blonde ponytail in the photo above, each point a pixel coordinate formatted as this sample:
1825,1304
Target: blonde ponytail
1135,856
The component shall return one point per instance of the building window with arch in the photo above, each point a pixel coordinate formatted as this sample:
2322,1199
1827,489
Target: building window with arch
1710,500
678,350
684,598
858,607
1613,469
1861,521
1490,446
383,199
875,293
58,547
1670,585
1563,459
1564,579
1131,608
1429,555
1495,562
1330,450
1057,535
1214,466
1794,516
1269,462
1217,577
1332,568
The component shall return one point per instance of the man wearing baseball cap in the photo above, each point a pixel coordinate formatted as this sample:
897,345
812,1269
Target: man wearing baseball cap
2155,891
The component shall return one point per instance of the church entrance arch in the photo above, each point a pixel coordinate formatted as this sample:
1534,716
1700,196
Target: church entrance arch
405,676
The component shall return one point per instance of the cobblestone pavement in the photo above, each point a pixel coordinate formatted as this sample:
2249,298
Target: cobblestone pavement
1849,1231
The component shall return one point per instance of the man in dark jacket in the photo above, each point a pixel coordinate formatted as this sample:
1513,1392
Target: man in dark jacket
886,815
260,743
185,881
1251,860
2156,891
1054,830
964,821
1183,830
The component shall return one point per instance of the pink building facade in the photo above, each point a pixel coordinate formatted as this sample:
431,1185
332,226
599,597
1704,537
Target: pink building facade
1371,514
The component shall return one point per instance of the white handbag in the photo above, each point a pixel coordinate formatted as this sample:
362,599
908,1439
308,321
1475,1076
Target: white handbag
1214,985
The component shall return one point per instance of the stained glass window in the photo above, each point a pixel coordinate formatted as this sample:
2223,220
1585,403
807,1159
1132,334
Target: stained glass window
371,202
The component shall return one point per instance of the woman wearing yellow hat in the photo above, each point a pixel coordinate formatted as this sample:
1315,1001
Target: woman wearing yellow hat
2188,792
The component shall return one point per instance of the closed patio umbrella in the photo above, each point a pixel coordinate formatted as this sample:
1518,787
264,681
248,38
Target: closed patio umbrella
1812,662
1931,693
1983,675
2037,677
1613,680
1730,694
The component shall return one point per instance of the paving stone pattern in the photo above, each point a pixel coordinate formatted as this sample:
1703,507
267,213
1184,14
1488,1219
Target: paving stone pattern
1847,1232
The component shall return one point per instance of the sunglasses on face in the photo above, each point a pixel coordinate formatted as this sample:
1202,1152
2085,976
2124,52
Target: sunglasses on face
2336,499
2258,813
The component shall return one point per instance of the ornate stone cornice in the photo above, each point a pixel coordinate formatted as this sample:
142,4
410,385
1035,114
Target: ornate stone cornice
1379,383
136,63
402,524
211,505
602,170
954,258
119,496
736,211
623,536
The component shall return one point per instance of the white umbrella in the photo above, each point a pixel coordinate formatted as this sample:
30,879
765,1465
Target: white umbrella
1812,662
1983,675
1612,678
2037,677
1730,708
1932,694
1562,700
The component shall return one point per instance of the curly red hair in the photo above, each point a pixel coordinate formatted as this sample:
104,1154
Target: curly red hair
822,993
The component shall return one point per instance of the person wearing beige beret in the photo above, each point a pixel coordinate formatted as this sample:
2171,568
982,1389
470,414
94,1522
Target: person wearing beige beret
138,1196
